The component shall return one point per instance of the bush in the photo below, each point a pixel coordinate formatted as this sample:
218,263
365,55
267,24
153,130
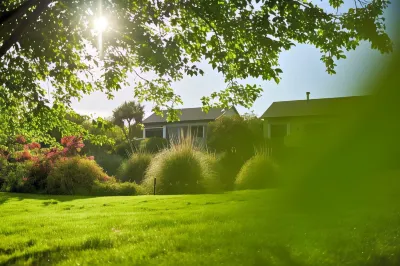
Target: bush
182,169
152,145
114,189
109,162
235,134
134,169
16,178
257,173
228,167
74,175
123,149
3,165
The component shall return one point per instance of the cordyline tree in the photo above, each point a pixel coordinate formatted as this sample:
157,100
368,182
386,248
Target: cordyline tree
126,116
54,42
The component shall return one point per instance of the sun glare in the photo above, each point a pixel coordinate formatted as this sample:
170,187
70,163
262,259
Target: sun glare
100,24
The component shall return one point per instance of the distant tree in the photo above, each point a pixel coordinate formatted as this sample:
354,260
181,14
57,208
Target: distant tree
127,116
234,134
235,140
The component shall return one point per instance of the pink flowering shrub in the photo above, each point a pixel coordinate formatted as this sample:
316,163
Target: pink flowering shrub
22,156
39,162
72,145
20,139
26,167
34,146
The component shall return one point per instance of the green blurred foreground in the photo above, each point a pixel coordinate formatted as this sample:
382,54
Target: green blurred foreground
239,228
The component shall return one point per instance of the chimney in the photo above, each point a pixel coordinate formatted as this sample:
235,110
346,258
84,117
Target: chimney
308,95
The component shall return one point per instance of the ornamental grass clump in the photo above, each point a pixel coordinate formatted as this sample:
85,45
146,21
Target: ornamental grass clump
182,169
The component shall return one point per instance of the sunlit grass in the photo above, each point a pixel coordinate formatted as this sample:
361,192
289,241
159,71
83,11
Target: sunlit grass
240,228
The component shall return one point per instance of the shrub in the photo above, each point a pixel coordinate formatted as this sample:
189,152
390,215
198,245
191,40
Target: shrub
182,169
123,149
134,169
257,173
3,165
34,146
20,139
72,145
152,145
39,172
109,162
16,178
114,189
228,167
235,134
3,162
74,175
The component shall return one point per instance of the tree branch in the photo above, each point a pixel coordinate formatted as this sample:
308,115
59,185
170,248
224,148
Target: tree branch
22,26
137,74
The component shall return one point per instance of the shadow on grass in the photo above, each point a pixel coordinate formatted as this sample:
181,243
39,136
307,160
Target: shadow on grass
4,197
278,254
55,255
281,255
37,258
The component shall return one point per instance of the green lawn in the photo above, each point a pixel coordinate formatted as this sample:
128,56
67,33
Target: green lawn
240,228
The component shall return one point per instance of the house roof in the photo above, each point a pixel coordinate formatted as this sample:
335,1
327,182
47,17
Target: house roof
314,107
187,114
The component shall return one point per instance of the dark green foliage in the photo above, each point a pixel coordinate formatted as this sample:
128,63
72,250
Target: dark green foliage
258,172
134,169
123,149
15,178
228,166
152,145
114,189
234,134
182,169
237,38
109,162
74,176
3,165
235,140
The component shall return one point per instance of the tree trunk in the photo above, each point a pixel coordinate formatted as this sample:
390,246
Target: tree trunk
127,138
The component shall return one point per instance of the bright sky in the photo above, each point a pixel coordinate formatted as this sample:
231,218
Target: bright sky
302,71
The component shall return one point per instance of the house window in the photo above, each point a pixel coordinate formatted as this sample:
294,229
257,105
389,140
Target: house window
154,132
278,131
176,133
184,131
197,131
173,133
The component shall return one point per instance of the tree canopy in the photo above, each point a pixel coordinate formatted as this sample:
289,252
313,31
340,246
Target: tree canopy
55,42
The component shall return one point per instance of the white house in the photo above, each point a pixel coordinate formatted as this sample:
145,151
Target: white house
192,121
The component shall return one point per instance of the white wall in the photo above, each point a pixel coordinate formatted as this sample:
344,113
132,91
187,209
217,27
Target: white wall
178,126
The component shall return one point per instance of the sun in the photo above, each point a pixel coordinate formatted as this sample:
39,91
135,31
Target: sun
100,24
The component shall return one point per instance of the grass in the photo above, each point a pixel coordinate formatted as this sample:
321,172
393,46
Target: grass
239,228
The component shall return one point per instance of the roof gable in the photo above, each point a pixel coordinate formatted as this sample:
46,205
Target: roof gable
314,107
187,114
